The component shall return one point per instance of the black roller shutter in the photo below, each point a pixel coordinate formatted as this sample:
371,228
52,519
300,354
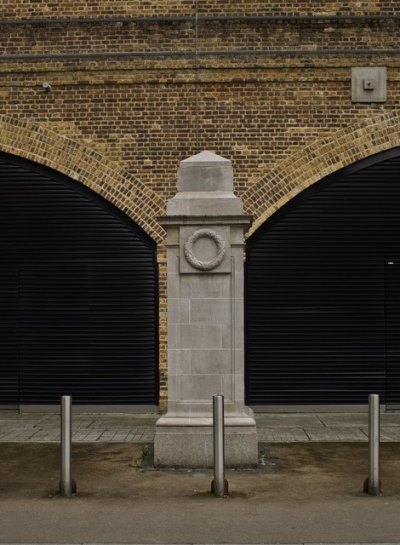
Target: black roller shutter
315,291
392,311
78,294
9,377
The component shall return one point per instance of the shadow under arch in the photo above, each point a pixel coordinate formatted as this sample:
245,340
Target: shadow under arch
316,161
87,166
322,278
77,274
322,184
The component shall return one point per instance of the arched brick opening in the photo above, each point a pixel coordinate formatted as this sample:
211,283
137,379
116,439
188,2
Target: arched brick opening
317,160
110,180
322,284
87,166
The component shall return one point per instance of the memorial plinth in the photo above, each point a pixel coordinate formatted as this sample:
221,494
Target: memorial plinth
205,253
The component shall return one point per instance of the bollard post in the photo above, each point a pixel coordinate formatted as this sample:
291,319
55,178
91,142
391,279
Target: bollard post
372,484
67,485
219,485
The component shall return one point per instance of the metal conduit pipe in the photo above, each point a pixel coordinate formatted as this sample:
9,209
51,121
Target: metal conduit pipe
206,18
194,54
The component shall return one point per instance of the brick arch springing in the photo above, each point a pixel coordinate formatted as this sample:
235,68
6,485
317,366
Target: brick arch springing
322,157
81,163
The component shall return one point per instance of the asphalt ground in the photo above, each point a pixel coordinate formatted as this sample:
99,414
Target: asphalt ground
301,493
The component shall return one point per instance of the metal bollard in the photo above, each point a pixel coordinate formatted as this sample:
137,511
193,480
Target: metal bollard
219,485
67,485
372,484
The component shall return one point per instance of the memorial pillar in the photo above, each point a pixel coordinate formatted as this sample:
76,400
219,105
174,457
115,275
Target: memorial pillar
205,253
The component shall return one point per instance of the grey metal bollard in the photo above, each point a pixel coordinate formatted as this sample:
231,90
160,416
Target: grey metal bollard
372,484
219,485
67,484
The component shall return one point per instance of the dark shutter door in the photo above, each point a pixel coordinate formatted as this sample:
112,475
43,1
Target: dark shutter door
315,290
81,319
9,395
393,334
53,333
85,331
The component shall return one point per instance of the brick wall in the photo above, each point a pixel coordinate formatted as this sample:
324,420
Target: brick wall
142,86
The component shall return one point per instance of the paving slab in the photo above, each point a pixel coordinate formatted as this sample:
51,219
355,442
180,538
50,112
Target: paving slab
389,433
345,419
281,435
289,420
336,434
271,427
390,418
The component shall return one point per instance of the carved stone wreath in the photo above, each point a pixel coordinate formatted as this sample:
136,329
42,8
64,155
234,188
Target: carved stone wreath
212,263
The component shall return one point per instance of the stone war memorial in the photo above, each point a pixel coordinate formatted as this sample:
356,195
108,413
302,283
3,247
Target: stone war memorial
205,254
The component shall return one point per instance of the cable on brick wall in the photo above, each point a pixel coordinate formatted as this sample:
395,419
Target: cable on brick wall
205,18
192,54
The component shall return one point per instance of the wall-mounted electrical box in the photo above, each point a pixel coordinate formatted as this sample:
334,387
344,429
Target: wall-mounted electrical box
368,84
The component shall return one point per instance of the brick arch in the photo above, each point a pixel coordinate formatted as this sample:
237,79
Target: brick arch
110,180
313,162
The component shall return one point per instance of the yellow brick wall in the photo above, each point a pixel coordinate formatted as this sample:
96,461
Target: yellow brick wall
136,86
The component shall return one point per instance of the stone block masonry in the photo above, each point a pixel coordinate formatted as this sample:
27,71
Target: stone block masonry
205,224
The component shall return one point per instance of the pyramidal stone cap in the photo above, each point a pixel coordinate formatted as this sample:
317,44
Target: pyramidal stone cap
205,171
205,188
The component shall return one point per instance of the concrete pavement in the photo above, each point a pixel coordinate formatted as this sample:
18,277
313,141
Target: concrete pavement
139,428
38,427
